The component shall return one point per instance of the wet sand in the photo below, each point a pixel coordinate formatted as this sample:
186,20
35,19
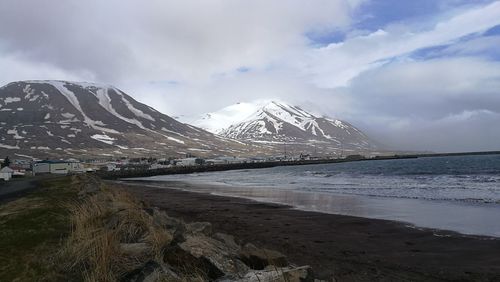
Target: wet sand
345,247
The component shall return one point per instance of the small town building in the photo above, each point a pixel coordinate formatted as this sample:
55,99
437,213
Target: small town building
22,163
18,171
232,160
57,167
215,162
6,173
41,167
112,167
190,161
157,166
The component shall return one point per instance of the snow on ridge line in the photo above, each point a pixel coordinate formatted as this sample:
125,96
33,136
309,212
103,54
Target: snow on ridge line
271,118
220,122
78,83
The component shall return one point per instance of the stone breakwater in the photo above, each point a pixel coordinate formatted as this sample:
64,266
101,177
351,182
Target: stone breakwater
115,237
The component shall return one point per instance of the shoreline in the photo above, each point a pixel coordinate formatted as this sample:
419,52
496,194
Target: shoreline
349,248
464,218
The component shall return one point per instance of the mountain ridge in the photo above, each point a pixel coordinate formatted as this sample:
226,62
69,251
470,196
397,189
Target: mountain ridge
54,117
277,122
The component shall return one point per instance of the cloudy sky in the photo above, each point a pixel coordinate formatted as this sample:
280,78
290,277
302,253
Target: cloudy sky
414,74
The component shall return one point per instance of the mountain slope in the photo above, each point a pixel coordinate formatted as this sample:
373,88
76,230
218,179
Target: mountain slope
216,122
58,118
278,122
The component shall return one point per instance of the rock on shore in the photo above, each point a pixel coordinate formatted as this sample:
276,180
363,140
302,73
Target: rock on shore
164,248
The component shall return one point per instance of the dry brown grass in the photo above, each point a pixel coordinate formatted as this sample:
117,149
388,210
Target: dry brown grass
100,223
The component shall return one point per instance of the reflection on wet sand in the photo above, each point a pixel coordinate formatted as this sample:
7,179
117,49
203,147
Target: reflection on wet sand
467,218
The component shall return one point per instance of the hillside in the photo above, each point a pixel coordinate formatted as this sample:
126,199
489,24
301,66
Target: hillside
59,118
287,127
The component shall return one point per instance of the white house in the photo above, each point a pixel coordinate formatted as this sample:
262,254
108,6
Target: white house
6,173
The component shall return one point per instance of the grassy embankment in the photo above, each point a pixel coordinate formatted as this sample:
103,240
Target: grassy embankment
32,230
61,233
81,229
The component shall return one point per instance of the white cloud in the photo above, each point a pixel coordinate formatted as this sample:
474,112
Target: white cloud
157,40
441,104
477,46
182,57
467,131
13,67
338,63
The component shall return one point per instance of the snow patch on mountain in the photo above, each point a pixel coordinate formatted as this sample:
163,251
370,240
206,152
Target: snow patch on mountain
217,121
103,138
105,101
9,100
61,86
277,121
10,147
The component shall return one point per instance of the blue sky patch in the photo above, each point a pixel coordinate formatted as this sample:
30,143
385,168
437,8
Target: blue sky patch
243,69
377,14
493,31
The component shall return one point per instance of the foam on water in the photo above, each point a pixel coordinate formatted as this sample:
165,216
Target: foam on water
456,193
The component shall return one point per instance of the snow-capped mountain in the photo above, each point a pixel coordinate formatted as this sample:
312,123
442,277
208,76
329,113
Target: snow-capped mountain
220,120
278,122
51,118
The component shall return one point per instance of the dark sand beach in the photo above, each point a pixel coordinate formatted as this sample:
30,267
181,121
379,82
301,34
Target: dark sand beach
345,247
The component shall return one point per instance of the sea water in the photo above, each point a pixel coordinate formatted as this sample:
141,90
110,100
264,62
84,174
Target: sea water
458,193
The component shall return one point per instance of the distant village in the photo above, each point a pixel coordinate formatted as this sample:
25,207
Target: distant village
20,167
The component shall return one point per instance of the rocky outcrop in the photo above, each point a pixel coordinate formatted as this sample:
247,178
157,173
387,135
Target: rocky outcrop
145,244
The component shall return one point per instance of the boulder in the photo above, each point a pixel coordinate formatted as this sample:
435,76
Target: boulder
219,255
195,228
228,240
260,258
298,274
152,272
275,274
161,219
173,225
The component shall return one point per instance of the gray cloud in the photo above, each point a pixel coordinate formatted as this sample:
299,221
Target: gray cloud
190,57
449,104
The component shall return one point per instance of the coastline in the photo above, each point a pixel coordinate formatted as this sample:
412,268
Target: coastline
347,247
463,217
